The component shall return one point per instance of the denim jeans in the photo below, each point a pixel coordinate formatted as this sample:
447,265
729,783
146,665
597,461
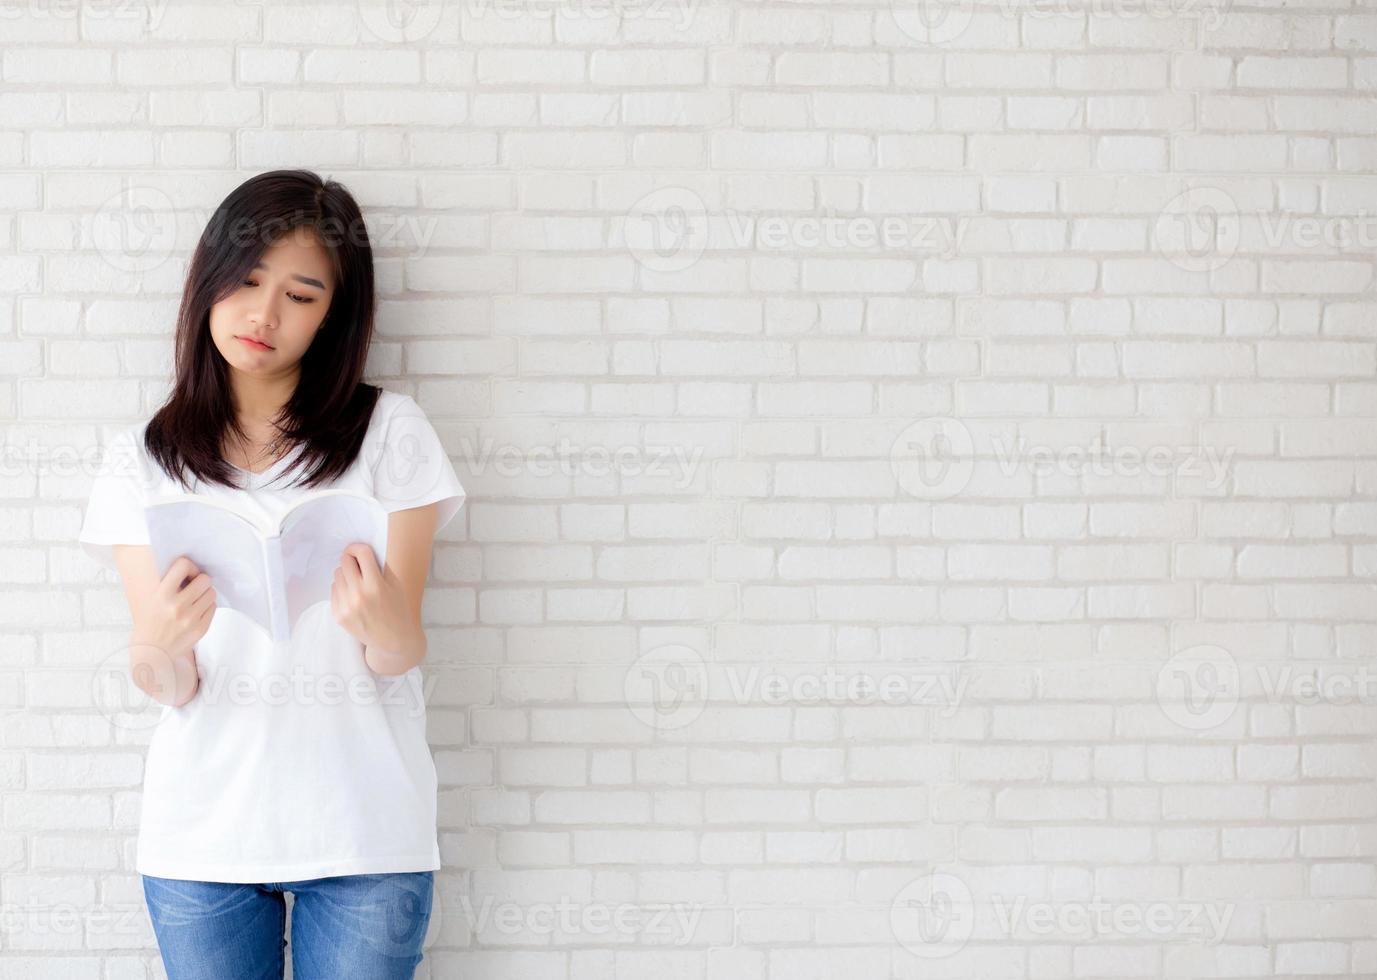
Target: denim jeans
350,927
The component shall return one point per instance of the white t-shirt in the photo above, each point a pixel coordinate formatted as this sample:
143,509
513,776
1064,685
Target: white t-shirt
298,761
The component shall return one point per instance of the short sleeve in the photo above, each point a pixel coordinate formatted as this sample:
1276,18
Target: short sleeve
412,468
114,510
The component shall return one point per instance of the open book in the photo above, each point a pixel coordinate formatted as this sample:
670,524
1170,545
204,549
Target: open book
269,574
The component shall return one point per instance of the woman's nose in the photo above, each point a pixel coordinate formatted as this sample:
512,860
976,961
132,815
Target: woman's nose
264,313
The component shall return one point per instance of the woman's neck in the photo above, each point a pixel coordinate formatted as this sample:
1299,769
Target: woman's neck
259,399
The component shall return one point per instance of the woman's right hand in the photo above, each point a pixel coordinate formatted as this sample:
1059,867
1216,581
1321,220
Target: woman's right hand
178,613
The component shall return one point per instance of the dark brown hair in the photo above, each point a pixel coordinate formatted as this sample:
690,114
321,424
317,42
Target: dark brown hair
328,413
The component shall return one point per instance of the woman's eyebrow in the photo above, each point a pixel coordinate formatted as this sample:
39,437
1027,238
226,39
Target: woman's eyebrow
306,279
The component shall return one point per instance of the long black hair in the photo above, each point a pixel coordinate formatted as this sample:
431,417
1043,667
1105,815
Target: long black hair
328,413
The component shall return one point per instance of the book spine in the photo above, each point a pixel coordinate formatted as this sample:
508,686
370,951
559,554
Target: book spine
277,590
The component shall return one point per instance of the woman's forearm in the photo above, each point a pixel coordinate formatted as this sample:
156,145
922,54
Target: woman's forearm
166,678
397,657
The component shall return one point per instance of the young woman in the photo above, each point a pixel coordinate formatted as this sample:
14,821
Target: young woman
298,767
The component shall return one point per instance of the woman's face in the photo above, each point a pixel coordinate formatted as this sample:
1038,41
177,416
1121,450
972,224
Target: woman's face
281,302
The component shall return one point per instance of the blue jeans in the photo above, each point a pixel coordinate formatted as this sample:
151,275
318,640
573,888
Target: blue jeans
350,927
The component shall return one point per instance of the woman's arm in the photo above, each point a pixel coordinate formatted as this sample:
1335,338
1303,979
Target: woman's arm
161,662
382,607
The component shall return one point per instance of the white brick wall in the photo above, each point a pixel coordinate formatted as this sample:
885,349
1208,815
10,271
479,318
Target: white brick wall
1100,676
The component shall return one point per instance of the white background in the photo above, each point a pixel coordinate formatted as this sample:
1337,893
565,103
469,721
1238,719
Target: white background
626,234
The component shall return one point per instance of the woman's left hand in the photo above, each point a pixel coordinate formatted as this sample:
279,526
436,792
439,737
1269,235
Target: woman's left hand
369,602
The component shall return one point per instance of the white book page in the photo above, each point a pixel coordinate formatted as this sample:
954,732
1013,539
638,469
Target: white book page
222,544
314,536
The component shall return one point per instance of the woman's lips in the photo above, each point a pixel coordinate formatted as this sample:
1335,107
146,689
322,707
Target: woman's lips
252,343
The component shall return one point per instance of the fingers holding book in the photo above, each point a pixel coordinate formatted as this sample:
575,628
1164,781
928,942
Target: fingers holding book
171,622
181,608
369,604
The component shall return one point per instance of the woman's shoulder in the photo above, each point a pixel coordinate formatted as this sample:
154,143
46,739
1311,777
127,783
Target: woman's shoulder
389,401
123,451
390,404
125,437
395,414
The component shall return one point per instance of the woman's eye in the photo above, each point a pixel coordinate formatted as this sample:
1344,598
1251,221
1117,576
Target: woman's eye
293,296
